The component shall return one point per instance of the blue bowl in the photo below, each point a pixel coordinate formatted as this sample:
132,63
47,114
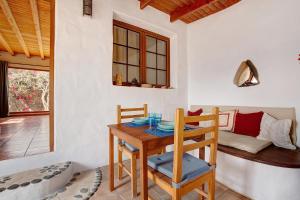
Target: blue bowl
166,126
165,130
141,120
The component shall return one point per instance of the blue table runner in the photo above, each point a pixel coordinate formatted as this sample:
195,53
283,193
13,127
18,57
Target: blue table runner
130,124
160,133
155,131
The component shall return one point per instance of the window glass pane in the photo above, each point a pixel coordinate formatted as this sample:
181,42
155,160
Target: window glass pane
161,62
119,69
151,76
28,90
161,47
151,44
133,56
151,60
133,39
120,35
120,54
161,77
133,72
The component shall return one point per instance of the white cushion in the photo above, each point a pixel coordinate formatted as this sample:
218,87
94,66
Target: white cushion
226,120
242,142
265,127
277,131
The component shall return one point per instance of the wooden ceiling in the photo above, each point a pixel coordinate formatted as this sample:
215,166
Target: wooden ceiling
188,10
25,27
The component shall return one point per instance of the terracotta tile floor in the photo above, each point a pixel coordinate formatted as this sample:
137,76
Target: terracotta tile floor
123,192
23,136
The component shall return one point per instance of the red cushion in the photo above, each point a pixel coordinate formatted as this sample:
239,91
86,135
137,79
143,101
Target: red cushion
196,113
248,124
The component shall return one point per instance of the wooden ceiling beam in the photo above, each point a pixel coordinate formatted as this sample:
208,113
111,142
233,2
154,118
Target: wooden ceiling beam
36,21
6,45
144,3
10,18
188,9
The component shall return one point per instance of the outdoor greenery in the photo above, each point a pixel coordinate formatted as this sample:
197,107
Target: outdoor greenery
28,90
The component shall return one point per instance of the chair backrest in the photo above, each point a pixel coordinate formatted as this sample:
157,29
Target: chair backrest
121,110
181,134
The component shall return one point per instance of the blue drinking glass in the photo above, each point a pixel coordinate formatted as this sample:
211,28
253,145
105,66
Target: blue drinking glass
158,118
151,120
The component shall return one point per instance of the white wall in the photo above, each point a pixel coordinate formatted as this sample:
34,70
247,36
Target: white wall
265,31
85,99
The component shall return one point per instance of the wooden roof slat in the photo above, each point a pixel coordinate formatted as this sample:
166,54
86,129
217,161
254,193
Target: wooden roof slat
36,20
10,18
6,45
144,3
188,9
220,5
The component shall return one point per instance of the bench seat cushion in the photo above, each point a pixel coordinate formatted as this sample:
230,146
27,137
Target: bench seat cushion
192,167
242,142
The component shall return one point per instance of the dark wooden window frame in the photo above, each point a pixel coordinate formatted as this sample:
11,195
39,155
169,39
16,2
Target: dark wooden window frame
142,52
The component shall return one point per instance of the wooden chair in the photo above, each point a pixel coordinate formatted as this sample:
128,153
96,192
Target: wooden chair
178,172
131,152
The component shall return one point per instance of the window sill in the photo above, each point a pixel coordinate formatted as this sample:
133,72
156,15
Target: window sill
159,88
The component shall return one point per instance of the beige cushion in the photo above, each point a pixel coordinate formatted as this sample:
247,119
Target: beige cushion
226,120
242,142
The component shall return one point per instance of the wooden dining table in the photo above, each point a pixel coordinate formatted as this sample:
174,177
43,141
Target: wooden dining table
146,143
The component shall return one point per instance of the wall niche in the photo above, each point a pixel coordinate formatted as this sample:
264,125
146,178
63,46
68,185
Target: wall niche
246,75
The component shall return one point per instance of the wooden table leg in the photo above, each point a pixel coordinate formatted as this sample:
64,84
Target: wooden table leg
144,172
111,161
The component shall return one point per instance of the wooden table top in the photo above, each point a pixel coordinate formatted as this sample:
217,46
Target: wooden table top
136,132
136,136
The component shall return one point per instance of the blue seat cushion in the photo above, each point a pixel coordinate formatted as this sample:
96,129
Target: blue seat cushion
130,147
192,167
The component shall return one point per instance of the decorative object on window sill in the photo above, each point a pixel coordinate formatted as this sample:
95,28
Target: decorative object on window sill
134,83
246,75
88,7
118,79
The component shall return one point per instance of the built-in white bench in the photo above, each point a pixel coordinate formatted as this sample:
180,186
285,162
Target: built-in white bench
272,173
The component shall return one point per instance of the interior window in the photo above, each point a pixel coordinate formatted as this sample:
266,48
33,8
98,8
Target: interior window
139,56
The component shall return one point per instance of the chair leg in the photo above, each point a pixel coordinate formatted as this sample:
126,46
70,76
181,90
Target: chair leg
211,187
133,176
176,195
120,164
202,188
